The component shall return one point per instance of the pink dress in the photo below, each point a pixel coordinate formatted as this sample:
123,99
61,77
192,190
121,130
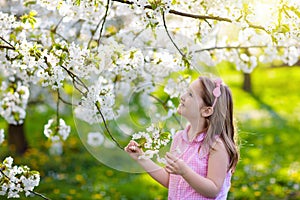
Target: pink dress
179,189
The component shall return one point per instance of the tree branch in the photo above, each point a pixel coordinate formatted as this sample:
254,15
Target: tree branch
194,16
9,45
239,47
6,47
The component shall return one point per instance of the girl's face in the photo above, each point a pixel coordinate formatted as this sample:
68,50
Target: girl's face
191,102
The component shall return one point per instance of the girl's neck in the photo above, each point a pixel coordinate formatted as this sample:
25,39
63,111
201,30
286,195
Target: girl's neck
195,129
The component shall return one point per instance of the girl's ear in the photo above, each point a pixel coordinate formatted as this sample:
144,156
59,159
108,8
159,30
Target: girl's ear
207,111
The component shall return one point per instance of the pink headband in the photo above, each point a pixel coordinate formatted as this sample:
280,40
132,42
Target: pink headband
217,90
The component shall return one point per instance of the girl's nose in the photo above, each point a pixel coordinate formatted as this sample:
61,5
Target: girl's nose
182,98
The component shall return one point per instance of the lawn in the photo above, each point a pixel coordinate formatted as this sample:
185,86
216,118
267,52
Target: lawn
268,124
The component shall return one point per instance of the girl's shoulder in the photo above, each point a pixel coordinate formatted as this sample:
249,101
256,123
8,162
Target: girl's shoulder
218,146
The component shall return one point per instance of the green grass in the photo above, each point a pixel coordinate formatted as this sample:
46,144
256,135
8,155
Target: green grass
269,168
269,131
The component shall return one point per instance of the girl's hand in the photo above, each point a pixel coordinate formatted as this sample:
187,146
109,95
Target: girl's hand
175,165
134,150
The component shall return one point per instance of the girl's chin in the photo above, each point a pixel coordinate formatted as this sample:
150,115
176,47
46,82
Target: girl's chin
179,111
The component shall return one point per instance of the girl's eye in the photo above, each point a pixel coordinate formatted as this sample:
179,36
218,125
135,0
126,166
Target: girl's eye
190,94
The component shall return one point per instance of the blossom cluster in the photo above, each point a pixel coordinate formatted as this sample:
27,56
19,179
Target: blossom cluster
151,141
150,17
17,179
7,22
14,99
83,9
56,133
181,85
99,97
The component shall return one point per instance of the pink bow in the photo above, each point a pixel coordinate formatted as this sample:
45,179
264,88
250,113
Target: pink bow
217,90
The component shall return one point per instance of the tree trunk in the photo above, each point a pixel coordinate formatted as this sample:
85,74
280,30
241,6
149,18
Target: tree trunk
16,138
247,86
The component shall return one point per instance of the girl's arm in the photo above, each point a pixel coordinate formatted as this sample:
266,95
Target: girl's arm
155,171
211,185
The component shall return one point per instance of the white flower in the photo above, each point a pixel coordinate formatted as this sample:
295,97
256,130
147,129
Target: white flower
152,141
8,161
47,130
175,87
4,188
291,55
95,139
64,130
56,135
136,135
2,136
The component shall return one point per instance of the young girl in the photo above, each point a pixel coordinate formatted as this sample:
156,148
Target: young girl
204,154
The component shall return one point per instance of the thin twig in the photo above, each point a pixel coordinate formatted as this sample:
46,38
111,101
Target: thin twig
103,22
57,107
6,47
11,46
166,28
39,194
106,127
208,23
94,32
76,80
65,101
59,22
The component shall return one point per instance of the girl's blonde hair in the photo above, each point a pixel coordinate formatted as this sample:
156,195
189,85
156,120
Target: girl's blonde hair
221,122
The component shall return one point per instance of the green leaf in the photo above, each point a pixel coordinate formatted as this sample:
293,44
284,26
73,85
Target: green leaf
30,18
77,2
165,135
29,2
